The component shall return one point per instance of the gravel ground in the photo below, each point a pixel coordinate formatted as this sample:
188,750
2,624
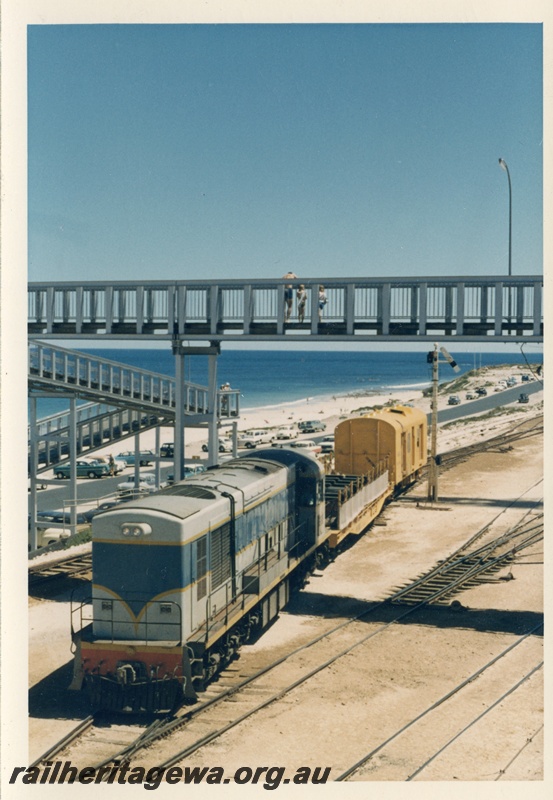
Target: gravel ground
365,697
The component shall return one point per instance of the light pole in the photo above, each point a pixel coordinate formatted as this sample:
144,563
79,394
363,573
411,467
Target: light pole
504,166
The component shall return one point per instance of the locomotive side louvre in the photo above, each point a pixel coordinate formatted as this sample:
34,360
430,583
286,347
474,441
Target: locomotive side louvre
182,577
174,572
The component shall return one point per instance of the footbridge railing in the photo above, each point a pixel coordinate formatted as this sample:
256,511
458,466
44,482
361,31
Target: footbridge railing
59,370
357,309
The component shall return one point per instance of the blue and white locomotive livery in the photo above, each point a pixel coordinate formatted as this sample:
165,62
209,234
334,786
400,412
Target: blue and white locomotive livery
182,577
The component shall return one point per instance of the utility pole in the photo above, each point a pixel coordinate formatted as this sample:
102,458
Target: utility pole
433,358
433,467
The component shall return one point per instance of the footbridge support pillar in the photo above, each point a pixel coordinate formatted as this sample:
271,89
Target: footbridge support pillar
182,349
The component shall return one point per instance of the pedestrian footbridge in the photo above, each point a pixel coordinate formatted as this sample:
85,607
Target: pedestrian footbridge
124,401
490,308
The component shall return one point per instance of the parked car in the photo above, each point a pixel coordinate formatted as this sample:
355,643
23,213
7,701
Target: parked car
481,390
311,426
252,439
189,469
327,447
512,381
118,465
63,517
46,536
454,400
499,388
286,432
145,457
85,469
309,446
167,450
146,483
523,398
224,446
525,378
471,396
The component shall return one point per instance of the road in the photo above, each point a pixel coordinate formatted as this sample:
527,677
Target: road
91,488
491,401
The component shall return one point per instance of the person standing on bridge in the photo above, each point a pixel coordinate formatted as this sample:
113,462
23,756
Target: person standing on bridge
288,296
322,301
301,297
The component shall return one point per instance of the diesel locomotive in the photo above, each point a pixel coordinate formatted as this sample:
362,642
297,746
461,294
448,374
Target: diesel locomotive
182,578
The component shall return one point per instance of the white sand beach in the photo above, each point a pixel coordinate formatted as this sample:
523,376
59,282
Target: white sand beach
332,410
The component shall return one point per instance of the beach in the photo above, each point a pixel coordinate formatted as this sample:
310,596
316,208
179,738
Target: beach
332,410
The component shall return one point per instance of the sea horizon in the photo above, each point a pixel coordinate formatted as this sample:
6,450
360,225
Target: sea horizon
268,379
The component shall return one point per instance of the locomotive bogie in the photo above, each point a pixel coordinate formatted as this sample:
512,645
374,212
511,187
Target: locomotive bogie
182,578
194,567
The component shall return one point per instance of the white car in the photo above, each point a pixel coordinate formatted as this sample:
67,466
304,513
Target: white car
286,432
146,484
306,444
252,439
471,396
46,536
225,446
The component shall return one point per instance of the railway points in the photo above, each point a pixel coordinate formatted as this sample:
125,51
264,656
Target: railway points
229,675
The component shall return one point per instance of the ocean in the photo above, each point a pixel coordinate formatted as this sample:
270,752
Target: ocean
268,378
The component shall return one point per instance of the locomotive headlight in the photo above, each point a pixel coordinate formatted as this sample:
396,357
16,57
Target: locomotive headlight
136,529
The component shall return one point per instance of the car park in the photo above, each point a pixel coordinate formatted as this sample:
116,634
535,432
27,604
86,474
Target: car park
145,457
523,398
311,426
85,469
454,400
471,396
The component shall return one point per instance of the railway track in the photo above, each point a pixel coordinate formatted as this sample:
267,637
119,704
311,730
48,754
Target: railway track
70,566
466,568
60,569
462,718
237,697
501,442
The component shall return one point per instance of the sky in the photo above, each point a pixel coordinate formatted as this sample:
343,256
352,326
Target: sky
243,150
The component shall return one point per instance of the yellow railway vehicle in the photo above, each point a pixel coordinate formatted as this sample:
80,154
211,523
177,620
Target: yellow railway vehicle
397,435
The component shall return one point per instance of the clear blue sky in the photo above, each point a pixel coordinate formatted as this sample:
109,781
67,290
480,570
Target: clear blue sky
206,151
